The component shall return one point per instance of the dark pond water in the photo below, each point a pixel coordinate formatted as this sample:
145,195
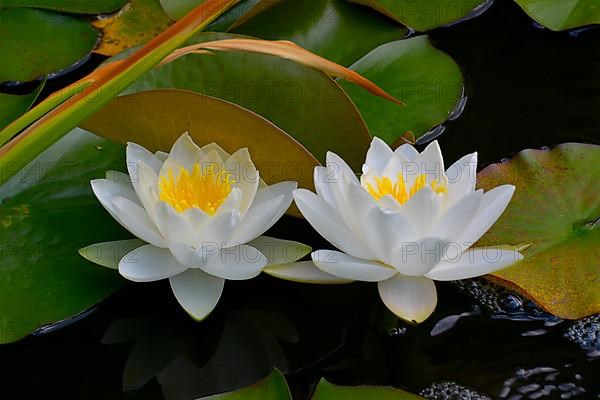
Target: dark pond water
526,87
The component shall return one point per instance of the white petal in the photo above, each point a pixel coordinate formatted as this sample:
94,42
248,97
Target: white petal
360,203
348,267
223,155
398,165
108,254
377,156
323,182
454,221
410,298
280,251
473,263
462,176
246,177
385,231
186,152
418,257
197,292
325,220
211,163
408,151
147,188
339,168
136,153
305,272
173,226
492,206
431,162
269,205
107,190
149,263
196,218
170,165
161,155
233,202
236,263
422,210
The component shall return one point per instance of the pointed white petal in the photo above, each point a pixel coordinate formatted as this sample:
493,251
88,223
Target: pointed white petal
269,205
348,267
360,203
398,165
236,263
305,272
136,153
161,155
149,263
147,188
473,263
186,152
212,163
454,221
107,190
233,202
418,257
172,165
173,226
422,210
196,218
246,177
410,298
408,151
323,182
223,155
377,156
339,168
218,231
492,206
325,220
197,292
385,231
431,162
462,176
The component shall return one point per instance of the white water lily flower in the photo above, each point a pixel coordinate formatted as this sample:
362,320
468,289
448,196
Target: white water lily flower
196,208
405,223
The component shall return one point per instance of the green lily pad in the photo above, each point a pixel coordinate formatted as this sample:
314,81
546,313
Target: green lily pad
70,6
273,387
413,71
556,208
424,15
176,9
329,391
559,15
24,57
239,14
13,106
321,26
136,24
304,102
47,213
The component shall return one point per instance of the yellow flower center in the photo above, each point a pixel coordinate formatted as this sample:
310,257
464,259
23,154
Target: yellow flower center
205,190
385,186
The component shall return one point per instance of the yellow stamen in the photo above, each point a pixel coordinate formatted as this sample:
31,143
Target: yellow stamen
205,190
384,186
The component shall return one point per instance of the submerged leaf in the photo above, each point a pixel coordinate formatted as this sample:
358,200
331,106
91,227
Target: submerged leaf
329,391
556,207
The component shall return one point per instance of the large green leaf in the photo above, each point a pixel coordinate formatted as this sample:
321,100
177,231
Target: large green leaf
24,56
556,208
304,102
47,213
412,70
273,387
559,15
136,24
71,6
422,15
334,29
178,8
329,391
155,119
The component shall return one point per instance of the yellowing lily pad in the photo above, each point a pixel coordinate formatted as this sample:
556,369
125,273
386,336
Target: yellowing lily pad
302,101
559,15
422,15
24,56
136,23
47,213
155,119
556,208
426,79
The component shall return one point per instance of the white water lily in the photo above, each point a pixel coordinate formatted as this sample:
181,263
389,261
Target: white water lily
197,208
405,223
